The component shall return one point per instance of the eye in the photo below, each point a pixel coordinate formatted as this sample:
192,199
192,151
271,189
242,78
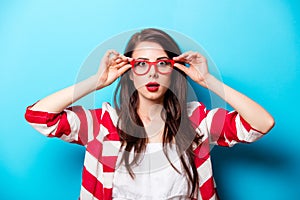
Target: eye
140,64
163,63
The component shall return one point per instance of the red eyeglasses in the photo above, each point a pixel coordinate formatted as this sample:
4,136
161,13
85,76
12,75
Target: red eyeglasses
142,67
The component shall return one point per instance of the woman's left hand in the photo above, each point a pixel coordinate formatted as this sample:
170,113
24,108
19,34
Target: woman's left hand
197,70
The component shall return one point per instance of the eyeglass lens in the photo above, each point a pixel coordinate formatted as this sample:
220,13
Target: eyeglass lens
142,67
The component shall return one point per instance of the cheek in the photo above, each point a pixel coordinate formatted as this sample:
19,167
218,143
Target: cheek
139,81
166,81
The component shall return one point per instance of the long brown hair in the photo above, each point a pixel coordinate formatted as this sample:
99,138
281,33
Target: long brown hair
177,123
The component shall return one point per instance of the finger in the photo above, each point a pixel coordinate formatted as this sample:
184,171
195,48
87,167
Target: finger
121,64
105,61
191,57
180,57
185,57
197,56
110,52
121,58
109,56
127,59
123,69
115,60
180,67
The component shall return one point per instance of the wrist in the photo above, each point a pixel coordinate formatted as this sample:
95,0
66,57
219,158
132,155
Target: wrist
91,83
207,80
98,84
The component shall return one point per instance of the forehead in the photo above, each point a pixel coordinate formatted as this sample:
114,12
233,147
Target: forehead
150,50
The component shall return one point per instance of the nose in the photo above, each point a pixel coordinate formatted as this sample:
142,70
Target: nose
153,71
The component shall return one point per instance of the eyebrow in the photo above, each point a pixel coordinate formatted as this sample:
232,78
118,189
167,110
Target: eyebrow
159,58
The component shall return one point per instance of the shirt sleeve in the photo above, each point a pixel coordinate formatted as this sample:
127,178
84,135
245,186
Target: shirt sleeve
222,127
74,124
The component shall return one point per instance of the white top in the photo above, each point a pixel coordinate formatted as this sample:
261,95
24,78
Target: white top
154,178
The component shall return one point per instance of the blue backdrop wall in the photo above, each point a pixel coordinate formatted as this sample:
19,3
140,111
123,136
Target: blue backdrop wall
254,44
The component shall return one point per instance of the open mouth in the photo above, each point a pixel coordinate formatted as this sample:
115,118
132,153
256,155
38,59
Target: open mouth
152,86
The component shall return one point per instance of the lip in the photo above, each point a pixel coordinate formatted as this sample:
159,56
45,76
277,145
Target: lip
152,86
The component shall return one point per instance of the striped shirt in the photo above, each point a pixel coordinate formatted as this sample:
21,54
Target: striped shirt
96,130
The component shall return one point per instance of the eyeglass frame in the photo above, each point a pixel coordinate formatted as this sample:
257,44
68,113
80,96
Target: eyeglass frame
150,64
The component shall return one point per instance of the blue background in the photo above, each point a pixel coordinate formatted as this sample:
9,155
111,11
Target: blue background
255,45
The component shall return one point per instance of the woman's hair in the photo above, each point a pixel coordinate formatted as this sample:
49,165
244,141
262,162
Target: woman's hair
178,127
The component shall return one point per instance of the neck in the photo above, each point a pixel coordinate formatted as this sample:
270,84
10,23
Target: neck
151,113
151,116
149,109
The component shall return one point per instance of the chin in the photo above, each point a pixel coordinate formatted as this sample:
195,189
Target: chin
153,96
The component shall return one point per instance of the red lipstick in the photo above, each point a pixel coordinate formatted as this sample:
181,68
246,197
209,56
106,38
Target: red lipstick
152,86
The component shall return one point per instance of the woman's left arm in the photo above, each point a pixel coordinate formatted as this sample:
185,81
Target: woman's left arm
251,111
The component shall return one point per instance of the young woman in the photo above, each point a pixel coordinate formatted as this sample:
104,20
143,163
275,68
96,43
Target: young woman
153,144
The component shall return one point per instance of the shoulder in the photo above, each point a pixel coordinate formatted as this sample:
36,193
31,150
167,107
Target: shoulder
195,106
109,112
104,114
196,112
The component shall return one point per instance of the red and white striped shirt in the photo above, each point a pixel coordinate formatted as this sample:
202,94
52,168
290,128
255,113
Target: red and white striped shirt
96,130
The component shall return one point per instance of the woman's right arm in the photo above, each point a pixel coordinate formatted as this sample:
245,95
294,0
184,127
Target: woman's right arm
111,67
52,115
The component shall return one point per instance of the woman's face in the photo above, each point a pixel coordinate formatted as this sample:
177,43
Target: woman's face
152,85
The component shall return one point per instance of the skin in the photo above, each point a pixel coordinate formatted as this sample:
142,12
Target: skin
246,107
150,103
114,65
150,51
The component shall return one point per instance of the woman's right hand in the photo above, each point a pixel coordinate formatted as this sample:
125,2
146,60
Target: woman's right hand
112,65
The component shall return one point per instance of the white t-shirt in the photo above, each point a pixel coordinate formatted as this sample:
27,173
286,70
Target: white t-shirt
155,178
